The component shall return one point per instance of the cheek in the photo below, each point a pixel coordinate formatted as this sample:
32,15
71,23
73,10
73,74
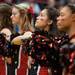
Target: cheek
38,24
43,21
67,21
64,20
17,19
41,24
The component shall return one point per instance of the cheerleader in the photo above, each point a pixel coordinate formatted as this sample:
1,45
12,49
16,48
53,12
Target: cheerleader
41,44
5,28
66,23
41,60
21,18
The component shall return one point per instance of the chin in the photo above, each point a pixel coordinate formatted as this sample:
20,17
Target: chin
59,28
36,25
14,23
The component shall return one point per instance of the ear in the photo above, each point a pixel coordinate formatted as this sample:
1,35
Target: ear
50,22
73,17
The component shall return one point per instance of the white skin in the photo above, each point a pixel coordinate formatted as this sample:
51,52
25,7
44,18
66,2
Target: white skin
16,18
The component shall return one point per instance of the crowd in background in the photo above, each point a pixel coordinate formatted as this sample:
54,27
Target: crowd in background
37,37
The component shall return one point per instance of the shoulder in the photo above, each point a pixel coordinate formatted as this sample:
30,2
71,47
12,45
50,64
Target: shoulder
18,40
73,41
6,31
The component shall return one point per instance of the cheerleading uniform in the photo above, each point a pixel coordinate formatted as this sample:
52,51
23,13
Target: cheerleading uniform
22,59
2,66
22,63
72,58
69,59
43,52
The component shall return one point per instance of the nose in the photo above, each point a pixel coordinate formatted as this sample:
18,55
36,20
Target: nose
11,16
58,18
37,17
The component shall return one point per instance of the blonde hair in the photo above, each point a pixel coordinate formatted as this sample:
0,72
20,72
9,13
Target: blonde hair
23,7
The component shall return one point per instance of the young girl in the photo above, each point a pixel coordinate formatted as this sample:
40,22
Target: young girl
66,23
6,29
40,51
20,17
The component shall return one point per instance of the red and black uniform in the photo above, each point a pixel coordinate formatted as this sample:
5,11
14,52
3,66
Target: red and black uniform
67,51
72,57
20,58
2,66
41,49
3,70
11,51
22,62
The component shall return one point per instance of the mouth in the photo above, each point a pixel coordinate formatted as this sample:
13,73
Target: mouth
12,20
58,23
37,21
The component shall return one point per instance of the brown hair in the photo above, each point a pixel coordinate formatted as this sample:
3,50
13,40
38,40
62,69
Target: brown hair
5,13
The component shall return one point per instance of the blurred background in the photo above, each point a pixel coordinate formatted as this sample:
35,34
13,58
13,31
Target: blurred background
37,5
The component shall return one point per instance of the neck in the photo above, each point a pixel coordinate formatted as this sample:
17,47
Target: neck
21,27
21,30
71,31
46,28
